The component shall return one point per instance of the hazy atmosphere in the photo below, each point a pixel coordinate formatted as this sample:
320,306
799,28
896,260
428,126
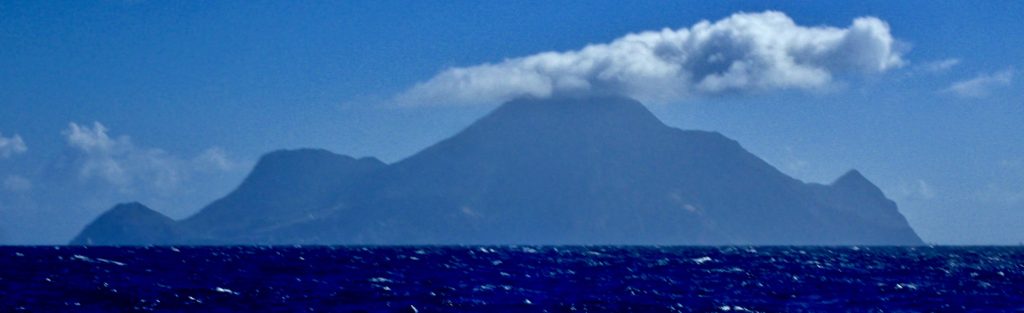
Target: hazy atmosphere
172,103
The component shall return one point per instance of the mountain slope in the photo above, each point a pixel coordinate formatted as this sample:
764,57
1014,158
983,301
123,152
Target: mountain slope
285,187
551,171
588,171
129,224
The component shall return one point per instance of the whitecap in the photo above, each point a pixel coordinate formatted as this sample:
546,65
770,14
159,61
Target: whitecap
379,280
225,290
96,260
701,260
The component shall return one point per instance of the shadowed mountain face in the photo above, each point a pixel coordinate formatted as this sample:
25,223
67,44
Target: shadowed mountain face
556,171
285,188
129,224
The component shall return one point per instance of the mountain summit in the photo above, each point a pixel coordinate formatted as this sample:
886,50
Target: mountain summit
540,171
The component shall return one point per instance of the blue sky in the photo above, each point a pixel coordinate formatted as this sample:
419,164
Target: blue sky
172,102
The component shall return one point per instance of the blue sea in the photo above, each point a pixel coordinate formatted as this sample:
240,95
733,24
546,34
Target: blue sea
511,279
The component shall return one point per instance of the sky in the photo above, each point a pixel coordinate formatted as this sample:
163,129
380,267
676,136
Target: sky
171,103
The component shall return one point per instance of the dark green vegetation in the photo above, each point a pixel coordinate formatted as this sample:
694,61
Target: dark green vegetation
555,171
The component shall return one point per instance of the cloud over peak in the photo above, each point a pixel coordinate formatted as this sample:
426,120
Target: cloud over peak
10,146
741,53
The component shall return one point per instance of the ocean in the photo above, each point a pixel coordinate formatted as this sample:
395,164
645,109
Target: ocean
511,279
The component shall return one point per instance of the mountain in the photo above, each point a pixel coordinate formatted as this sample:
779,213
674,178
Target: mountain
129,224
598,170
285,188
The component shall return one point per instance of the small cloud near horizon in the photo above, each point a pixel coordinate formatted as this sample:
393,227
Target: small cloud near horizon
744,52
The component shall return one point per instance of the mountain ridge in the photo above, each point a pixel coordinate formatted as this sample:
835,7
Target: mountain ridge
284,184
597,170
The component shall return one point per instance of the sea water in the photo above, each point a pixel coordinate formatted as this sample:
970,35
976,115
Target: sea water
511,279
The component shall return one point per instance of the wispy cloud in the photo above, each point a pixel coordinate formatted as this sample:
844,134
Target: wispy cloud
940,66
15,183
982,85
216,159
99,168
741,53
924,189
10,146
918,189
119,162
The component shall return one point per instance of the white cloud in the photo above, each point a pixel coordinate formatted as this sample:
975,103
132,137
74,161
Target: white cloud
100,155
119,162
91,140
99,168
10,146
741,53
941,65
981,85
